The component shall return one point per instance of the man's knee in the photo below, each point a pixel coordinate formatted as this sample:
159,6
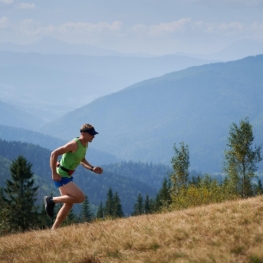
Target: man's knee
68,206
80,197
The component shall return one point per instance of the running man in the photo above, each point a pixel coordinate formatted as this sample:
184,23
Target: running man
73,153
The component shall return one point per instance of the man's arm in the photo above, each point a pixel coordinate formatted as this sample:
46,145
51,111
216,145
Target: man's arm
87,165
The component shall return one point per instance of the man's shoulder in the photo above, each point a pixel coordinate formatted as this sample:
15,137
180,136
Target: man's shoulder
73,144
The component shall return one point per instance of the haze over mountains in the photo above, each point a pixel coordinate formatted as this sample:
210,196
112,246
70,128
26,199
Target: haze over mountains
196,105
49,85
61,77
47,45
237,50
196,102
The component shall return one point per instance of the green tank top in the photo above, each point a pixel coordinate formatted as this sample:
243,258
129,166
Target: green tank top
71,160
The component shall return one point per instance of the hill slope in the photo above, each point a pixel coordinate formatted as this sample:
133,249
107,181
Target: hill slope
196,105
13,116
226,232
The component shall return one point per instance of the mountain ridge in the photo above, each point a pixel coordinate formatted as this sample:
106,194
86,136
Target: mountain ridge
51,85
196,105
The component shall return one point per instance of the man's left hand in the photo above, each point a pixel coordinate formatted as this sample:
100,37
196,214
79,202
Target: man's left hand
97,170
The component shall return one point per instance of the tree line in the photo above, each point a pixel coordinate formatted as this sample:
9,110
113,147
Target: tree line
178,191
19,211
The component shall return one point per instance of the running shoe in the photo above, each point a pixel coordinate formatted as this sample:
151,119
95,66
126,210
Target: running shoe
49,205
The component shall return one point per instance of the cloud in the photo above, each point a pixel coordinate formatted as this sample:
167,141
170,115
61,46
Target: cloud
234,4
184,30
90,28
185,27
28,27
7,2
244,3
70,32
170,28
26,6
162,29
4,23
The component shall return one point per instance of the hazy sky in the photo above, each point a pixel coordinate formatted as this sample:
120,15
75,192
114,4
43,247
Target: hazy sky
148,26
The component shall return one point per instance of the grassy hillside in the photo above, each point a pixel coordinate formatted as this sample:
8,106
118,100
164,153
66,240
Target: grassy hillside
196,105
228,232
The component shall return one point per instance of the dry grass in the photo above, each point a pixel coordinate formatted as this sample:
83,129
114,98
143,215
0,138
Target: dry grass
226,232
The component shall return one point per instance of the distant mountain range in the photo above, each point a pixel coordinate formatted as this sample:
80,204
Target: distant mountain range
196,105
13,116
48,86
240,49
47,45
50,45
237,50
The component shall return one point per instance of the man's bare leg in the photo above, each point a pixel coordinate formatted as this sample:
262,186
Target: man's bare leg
62,214
70,194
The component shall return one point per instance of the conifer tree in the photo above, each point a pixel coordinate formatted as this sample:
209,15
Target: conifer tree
196,180
148,209
259,188
85,213
70,219
138,206
44,220
109,205
241,158
163,198
20,195
4,219
117,208
180,163
100,212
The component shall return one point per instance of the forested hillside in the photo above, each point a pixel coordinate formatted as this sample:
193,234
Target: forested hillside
140,171
128,183
196,105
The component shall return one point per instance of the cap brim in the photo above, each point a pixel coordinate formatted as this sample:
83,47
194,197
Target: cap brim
93,133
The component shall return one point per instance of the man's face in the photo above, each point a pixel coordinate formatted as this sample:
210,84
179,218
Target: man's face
88,137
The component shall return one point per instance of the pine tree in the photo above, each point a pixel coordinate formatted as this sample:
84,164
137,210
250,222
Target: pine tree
163,198
148,205
20,195
117,208
196,180
180,163
70,219
241,158
259,188
109,205
138,206
100,212
85,213
5,226
44,220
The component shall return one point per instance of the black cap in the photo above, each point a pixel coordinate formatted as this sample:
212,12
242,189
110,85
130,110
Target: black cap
90,131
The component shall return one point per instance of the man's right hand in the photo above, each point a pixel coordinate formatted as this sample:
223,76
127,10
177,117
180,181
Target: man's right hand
56,177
